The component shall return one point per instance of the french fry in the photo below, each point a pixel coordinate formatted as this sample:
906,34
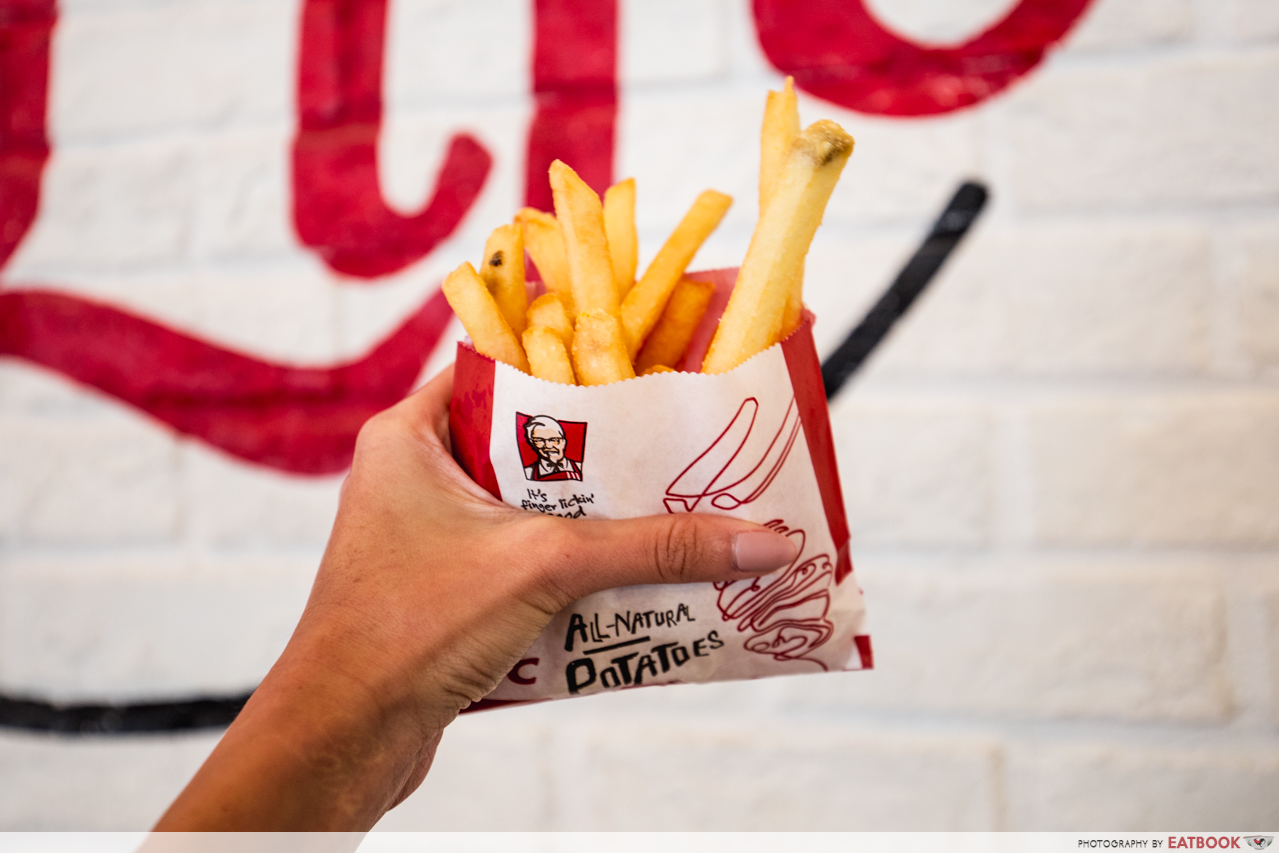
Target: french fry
480,316
547,356
781,126
581,218
753,318
656,368
669,339
548,311
503,274
545,244
619,227
599,356
644,304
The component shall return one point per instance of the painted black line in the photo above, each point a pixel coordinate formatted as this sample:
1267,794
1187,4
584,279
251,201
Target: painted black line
960,213
615,646
218,712
184,715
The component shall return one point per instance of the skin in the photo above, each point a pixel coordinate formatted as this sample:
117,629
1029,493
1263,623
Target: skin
429,592
553,452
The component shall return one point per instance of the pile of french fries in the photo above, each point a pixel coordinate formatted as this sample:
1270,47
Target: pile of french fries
596,324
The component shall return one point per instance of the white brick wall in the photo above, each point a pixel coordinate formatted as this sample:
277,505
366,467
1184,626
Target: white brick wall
1062,470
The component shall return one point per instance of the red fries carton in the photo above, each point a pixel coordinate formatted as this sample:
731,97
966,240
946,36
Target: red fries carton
753,443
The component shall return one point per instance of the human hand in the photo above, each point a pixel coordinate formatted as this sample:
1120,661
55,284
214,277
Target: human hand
430,590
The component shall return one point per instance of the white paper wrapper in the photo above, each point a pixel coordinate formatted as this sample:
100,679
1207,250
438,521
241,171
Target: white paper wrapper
753,443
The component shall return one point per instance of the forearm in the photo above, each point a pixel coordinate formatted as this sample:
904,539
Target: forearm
312,750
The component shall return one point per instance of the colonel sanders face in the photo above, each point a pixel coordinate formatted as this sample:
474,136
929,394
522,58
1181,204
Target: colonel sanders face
547,439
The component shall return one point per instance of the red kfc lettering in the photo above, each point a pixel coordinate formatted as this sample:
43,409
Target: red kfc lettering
837,51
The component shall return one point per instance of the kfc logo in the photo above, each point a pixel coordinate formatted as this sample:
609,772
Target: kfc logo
550,449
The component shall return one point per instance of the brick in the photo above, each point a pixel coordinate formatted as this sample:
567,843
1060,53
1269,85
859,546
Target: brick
669,41
913,474
165,66
1251,259
279,312
1175,131
1115,25
455,52
243,200
899,171
81,784
237,505
96,482
109,208
490,774
845,272
645,774
29,390
1252,20
1095,639
1214,784
143,626
1197,469
676,146
1109,299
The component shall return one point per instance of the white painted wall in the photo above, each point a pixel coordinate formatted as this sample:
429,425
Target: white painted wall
1062,470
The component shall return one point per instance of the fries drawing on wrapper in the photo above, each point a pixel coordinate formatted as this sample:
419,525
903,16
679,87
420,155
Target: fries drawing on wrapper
602,391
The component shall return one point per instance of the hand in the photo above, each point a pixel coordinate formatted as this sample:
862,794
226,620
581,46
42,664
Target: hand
430,590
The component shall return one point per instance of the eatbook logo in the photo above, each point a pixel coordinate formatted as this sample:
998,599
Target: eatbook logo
550,449
1260,842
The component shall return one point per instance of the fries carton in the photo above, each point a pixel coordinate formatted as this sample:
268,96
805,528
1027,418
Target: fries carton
754,442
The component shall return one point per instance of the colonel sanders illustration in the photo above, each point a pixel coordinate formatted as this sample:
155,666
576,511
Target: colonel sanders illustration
545,435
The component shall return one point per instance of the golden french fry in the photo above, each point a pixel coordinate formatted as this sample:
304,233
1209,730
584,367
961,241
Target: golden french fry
599,356
619,227
753,318
503,274
781,126
581,218
545,244
656,368
793,310
547,356
548,311
480,316
644,304
669,339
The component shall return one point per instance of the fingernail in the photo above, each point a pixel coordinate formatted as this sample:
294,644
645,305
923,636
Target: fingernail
762,551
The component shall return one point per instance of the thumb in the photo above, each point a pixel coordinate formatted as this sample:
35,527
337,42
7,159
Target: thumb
664,549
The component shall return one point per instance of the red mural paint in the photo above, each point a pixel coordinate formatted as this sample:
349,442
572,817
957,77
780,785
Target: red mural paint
304,420
837,51
575,87
295,419
338,208
25,29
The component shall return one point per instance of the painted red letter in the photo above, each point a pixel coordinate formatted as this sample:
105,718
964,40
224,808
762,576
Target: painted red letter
837,51
338,207
25,26
575,84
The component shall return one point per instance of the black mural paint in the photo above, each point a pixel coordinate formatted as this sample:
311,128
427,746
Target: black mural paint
964,208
